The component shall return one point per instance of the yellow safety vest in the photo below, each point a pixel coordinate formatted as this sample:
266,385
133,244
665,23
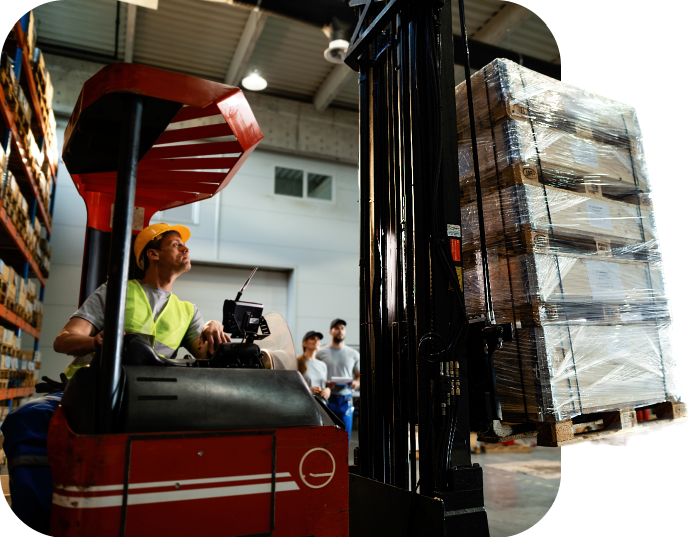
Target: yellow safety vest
168,331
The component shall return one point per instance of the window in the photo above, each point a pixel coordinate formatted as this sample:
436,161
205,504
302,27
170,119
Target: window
320,186
300,184
288,182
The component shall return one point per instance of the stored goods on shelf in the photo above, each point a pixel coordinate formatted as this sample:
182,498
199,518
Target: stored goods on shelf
573,254
8,81
30,34
24,111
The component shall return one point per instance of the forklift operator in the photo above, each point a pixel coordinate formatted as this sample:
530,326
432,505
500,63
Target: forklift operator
151,307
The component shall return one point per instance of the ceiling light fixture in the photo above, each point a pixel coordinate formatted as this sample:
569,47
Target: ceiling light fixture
254,82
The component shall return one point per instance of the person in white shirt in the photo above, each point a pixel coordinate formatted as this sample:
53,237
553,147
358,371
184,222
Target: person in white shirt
314,372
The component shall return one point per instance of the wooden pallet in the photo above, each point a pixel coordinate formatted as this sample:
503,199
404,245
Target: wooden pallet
585,428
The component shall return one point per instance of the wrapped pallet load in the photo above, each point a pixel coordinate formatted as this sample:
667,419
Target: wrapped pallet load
574,262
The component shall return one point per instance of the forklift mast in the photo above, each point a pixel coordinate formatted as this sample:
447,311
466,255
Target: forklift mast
427,373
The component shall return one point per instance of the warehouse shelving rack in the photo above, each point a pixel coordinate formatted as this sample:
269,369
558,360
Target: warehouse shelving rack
13,249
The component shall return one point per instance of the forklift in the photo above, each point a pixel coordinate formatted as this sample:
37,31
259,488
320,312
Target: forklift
234,445
233,448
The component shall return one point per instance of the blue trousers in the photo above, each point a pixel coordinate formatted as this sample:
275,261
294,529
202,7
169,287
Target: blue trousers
31,486
343,407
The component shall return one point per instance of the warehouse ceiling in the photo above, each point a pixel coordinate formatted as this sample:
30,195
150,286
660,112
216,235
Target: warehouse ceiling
224,40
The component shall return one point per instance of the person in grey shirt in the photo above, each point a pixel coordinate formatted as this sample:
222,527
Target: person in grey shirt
161,252
342,361
314,372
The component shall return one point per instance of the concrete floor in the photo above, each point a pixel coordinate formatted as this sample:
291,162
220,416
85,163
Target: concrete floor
514,501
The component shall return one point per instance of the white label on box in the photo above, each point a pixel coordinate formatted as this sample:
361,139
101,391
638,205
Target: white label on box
453,230
598,215
139,214
584,153
605,280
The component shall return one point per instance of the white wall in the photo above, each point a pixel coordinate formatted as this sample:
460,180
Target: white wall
246,225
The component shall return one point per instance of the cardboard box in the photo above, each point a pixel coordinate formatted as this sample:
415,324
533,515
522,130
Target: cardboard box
8,337
24,105
4,272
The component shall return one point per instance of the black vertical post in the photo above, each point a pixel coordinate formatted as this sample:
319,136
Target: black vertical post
110,364
476,169
366,402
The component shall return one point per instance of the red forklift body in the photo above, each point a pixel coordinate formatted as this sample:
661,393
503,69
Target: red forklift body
203,467
283,482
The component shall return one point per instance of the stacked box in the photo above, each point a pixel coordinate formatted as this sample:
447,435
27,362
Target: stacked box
23,118
8,81
30,34
572,250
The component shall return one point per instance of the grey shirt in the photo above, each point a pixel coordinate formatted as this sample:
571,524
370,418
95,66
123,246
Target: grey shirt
342,362
93,308
316,373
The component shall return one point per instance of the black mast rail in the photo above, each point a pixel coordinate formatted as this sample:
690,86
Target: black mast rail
416,341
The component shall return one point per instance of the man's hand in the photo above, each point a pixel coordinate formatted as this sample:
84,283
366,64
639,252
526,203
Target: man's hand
354,385
315,390
325,393
212,336
330,384
97,341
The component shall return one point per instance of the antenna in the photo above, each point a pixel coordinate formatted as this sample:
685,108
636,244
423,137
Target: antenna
240,293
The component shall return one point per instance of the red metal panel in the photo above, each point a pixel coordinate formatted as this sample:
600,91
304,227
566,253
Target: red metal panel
200,98
176,186
194,133
237,113
224,482
226,479
215,163
193,150
165,176
192,112
148,192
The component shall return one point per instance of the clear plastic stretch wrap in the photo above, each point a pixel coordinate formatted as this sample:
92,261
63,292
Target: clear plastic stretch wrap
573,257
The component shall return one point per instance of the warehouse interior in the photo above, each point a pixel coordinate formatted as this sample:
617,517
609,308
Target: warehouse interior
294,213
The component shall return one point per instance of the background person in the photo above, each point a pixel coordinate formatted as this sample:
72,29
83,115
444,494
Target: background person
314,372
342,361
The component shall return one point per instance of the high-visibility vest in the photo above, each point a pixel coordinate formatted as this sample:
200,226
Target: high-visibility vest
168,331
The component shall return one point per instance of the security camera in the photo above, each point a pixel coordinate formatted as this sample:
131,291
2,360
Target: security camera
336,51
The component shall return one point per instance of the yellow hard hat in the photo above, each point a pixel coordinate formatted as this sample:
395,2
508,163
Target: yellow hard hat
151,233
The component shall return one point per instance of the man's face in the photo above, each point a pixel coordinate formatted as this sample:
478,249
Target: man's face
338,332
174,255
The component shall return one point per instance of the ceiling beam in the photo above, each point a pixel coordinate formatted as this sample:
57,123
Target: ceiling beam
130,32
251,33
495,29
332,85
